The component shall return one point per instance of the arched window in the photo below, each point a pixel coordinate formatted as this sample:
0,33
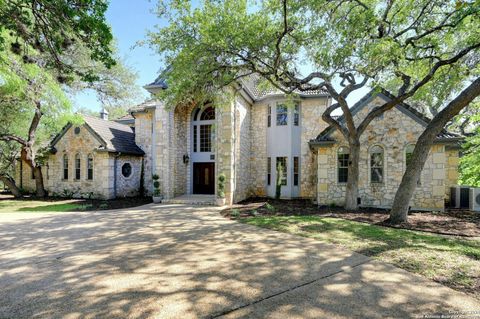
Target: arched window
90,167
208,114
376,164
343,155
65,166
77,167
203,132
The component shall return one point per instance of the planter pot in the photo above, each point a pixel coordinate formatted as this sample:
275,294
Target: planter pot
157,199
220,201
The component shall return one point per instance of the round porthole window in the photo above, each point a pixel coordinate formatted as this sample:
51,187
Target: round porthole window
126,170
77,130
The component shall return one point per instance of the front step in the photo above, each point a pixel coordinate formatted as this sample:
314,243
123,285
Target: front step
196,200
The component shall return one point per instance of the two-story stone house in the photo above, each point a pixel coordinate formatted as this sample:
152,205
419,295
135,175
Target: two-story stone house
246,138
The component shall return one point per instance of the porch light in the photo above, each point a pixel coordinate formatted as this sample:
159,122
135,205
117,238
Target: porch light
186,159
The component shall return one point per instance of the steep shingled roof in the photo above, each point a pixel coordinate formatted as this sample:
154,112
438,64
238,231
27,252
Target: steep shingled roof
113,136
325,136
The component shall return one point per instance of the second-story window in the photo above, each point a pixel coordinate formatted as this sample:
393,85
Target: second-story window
282,115
269,115
296,115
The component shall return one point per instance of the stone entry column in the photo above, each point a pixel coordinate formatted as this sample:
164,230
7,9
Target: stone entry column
225,141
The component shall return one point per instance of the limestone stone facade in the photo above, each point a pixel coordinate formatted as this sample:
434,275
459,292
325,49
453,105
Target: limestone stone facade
79,166
244,138
392,133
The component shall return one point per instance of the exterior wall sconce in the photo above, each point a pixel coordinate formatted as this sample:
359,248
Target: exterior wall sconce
186,159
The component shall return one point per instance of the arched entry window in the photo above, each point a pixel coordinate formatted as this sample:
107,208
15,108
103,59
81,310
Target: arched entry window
203,129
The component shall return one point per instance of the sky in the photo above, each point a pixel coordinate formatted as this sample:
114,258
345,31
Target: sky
130,20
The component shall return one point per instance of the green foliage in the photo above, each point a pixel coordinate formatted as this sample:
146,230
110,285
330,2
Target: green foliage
53,28
210,45
156,185
221,185
470,161
270,207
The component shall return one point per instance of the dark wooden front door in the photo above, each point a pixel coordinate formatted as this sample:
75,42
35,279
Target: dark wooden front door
203,178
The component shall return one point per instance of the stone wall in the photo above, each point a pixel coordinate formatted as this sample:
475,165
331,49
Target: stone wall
83,144
311,122
258,157
243,150
143,138
23,177
452,162
128,186
181,171
393,132
224,150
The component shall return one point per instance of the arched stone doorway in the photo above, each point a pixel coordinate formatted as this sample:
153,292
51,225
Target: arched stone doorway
202,150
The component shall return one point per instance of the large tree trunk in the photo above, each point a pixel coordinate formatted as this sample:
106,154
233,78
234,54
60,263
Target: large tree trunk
351,194
40,187
407,187
10,183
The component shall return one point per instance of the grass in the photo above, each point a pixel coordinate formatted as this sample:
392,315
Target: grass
452,261
9,206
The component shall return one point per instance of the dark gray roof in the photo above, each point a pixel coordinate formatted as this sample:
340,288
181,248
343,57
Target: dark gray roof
249,83
112,136
117,137
325,137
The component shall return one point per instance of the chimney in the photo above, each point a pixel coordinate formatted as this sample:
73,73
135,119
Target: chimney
104,114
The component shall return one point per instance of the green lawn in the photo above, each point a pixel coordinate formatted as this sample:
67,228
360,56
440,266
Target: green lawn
452,261
10,206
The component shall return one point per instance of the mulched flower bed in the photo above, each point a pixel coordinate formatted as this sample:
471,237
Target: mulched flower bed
452,222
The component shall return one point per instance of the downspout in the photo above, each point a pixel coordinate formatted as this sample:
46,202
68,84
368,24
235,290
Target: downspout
115,160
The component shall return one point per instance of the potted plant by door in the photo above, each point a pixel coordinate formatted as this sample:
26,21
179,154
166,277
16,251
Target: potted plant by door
221,190
157,194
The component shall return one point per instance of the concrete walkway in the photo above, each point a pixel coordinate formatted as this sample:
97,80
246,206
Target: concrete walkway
172,261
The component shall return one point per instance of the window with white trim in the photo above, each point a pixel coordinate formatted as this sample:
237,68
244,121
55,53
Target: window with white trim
343,157
90,167
65,166
282,115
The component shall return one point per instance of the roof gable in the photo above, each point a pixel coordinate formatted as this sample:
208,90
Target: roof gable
420,118
113,136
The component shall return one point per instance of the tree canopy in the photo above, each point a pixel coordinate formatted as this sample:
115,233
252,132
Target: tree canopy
52,27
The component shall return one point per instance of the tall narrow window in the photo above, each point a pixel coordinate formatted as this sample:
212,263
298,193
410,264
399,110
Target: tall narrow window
33,173
295,171
65,166
343,157
269,170
282,115
282,170
77,167
269,116
376,165
296,115
194,138
90,167
48,170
